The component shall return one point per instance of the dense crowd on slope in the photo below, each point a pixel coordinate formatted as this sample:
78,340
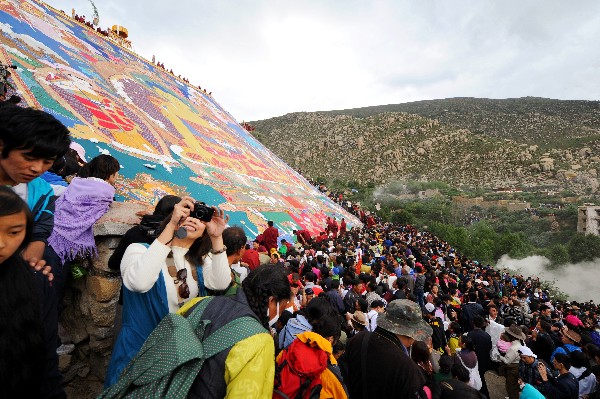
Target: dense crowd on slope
377,311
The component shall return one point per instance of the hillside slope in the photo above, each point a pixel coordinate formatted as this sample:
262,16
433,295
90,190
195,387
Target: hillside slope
370,146
532,120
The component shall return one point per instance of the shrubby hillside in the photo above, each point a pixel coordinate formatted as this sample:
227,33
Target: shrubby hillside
465,142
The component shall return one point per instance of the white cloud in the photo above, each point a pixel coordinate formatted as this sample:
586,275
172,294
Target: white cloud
267,58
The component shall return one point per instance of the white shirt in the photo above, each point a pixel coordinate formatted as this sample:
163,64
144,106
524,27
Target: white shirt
141,267
21,190
240,270
372,319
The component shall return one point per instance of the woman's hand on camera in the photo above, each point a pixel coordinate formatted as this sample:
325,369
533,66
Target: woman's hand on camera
217,224
181,211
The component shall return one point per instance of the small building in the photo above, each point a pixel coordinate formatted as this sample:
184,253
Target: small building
588,219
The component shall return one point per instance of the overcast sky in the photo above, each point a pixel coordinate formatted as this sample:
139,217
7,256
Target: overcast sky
267,58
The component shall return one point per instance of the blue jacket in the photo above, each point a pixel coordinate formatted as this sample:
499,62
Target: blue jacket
529,392
40,198
141,314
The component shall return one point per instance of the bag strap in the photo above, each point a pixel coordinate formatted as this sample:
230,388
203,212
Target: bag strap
230,334
463,363
364,350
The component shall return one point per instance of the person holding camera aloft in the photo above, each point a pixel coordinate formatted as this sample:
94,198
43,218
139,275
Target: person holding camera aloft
186,258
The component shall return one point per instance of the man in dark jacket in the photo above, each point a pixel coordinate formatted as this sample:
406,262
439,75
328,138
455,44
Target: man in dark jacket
565,386
353,295
483,346
469,311
396,375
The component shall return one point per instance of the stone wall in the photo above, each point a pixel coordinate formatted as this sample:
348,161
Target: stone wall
91,307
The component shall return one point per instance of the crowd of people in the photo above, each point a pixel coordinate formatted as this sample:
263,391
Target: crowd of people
373,311
108,33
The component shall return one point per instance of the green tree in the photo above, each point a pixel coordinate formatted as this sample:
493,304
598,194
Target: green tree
583,247
558,255
401,216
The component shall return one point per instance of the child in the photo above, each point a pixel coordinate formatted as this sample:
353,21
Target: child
455,331
503,344
30,142
28,319
87,198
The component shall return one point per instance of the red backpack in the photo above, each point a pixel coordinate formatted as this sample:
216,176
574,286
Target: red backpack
298,372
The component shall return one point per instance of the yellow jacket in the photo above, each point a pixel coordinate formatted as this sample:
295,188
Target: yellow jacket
249,366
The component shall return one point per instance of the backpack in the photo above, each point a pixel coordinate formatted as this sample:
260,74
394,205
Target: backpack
172,356
298,372
474,377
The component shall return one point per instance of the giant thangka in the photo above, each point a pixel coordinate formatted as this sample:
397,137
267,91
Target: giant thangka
170,137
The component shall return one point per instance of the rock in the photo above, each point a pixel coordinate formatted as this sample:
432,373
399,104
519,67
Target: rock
585,152
99,364
75,325
101,262
100,332
103,346
84,371
421,151
593,172
72,372
110,242
64,362
103,289
103,313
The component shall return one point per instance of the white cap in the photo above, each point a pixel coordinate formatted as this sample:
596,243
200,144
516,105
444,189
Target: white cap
430,307
525,351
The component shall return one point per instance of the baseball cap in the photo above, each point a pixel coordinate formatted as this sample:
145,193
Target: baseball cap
430,307
404,317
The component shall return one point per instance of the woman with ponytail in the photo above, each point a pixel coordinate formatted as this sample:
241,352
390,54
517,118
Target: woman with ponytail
220,348
28,319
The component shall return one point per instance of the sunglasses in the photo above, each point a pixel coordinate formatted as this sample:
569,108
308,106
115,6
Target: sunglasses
183,290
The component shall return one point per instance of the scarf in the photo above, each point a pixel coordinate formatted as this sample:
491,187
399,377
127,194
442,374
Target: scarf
82,204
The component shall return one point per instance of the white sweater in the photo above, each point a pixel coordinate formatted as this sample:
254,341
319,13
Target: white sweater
141,267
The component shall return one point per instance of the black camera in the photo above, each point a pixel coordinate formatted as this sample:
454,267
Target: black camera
150,225
202,211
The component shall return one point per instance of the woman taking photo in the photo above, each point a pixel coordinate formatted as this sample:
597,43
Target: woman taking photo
187,257
28,320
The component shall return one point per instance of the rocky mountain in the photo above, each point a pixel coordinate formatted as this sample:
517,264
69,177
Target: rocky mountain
464,141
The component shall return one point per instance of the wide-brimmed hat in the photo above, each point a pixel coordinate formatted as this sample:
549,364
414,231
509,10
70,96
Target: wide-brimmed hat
572,335
516,332
360,318
404,317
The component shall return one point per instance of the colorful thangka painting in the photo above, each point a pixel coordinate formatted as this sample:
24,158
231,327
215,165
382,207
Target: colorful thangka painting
169,137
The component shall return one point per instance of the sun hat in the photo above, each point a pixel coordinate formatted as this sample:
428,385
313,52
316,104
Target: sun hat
572,335
516,332
360,318
404,317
